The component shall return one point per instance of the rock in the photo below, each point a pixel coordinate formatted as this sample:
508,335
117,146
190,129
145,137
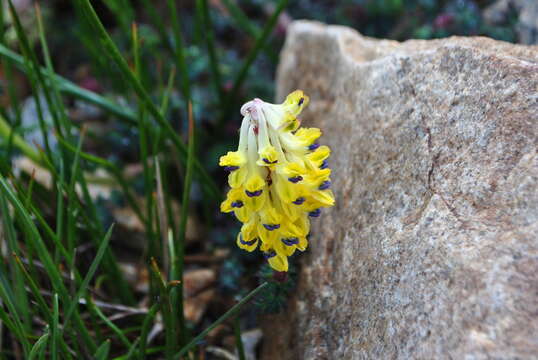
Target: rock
431,251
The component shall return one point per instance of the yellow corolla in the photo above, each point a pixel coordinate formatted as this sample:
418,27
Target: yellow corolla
279,179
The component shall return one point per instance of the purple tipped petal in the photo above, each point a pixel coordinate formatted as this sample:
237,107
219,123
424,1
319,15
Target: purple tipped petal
315,213
271,227
269,254
231,168
314,146
325,185
248,243
299,201
237,204
324,165
295,179
254,193
290,241
269,162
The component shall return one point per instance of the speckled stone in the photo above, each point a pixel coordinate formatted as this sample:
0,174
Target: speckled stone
431,251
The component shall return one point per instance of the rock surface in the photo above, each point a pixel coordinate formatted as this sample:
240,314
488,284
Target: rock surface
431,251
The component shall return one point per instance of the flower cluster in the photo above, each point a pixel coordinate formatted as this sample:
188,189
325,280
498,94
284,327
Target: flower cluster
279,178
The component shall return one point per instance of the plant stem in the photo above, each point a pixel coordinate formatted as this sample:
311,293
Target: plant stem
226,315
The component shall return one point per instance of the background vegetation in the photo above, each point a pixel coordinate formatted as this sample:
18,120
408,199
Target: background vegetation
113,114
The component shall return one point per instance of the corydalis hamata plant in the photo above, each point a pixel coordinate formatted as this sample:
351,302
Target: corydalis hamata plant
278,177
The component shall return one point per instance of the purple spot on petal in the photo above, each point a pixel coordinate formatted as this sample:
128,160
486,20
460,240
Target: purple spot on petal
265,160
269,254
314,146
325,185
271,227
299,201
231,168
324,165
237,204
290,241
295,179
253,193
315,213
248,243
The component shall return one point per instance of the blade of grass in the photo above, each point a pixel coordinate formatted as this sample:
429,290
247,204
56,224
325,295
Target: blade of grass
148,320
203,14
17,277
39,346
162,217
9,79
103,351
28,197
164,107
54,326
16,325
60,211
34,240
68,87
109,323
156,20
241,19
170,329
56,98
258,45
89,276
178,51
238,340
179,253
6,132
123,12
131,351
41,303
37,78
168,91
71,199
5,320
234,310
1,332
144,138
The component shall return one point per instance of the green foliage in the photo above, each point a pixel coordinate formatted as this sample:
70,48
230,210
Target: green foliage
274,297
135,71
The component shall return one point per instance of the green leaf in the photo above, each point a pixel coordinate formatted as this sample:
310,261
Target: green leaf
39,347
103,351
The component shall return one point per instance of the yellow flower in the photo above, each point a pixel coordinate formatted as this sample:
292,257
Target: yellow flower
279,179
